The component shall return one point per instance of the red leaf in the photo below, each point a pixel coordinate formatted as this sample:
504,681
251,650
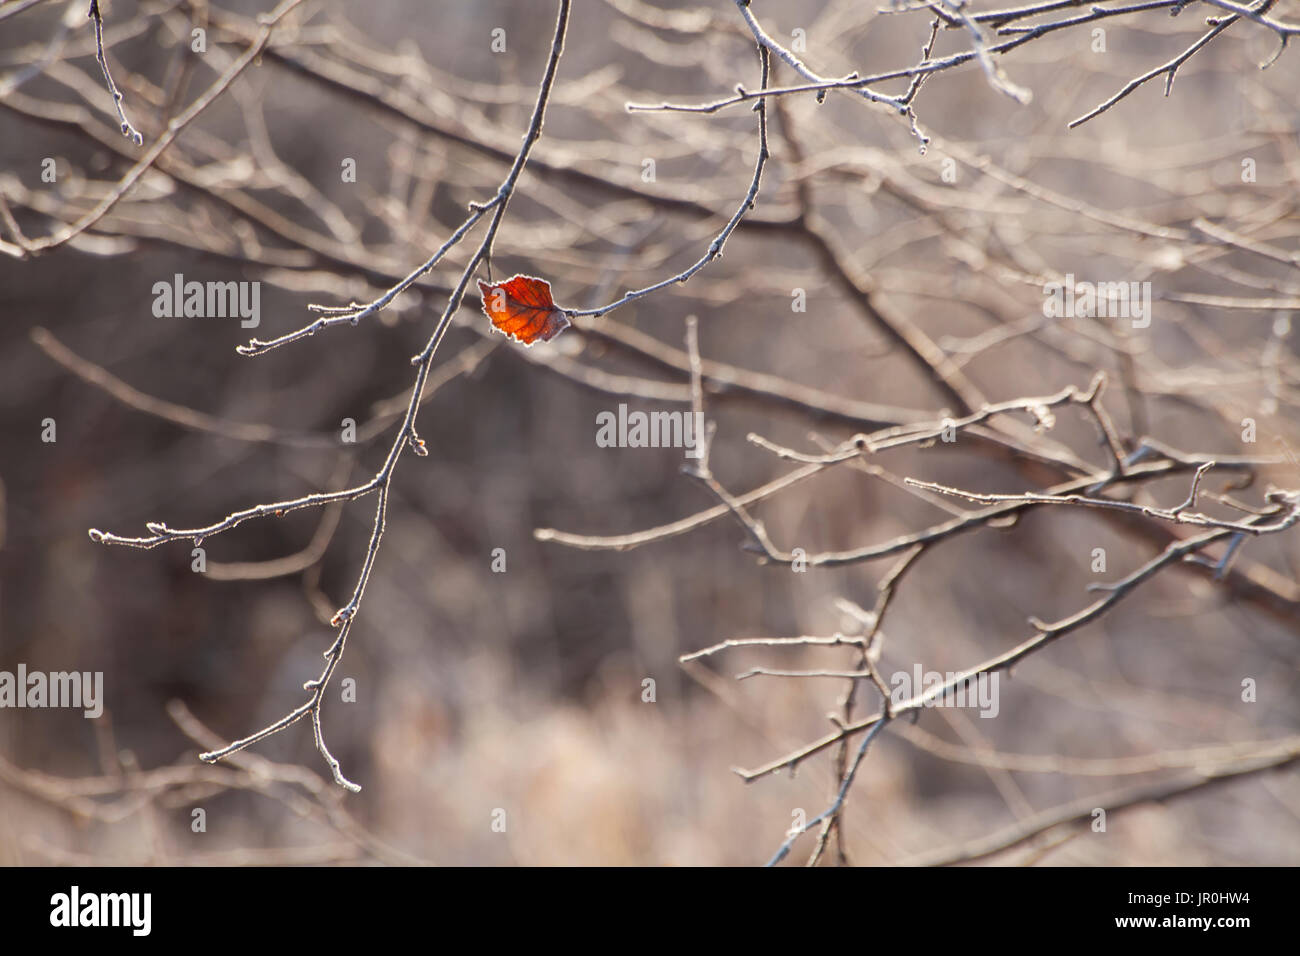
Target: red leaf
521,307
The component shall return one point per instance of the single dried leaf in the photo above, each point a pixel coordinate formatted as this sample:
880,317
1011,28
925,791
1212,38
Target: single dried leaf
522,308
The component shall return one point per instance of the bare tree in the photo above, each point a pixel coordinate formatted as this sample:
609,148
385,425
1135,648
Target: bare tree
1001,315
